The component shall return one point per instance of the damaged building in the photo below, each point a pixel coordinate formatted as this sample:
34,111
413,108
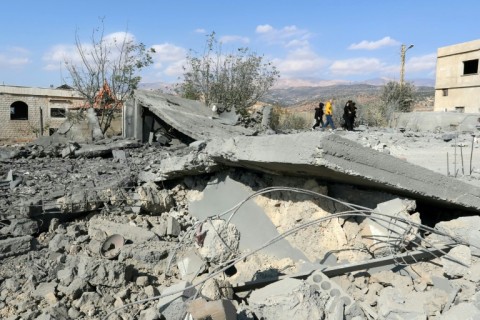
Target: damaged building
30,112
193,216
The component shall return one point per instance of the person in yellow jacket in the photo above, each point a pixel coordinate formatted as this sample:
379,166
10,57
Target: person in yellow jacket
328,114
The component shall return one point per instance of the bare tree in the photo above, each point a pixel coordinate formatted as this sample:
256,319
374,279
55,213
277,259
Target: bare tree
237,79
107,71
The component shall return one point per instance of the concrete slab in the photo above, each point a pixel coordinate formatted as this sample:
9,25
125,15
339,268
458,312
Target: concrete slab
254,225
331,157
189,117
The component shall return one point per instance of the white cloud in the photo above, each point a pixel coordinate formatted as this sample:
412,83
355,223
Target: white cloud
264,28
57,55
200,30
357,66
300,62
175,69
12,62
287,36
423,63
118,37
297,43
168,60
168,52
227,39
14,57
373,45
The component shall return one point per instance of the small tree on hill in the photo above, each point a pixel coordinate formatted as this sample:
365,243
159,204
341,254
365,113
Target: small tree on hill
108,71
397,97
235,80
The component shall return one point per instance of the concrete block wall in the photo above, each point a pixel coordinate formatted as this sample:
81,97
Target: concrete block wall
22,130
432,121
36,99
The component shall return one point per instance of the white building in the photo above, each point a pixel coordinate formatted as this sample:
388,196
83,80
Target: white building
457,86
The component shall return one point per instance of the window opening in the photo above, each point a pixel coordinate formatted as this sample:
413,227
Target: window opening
470,67
57,112
19,111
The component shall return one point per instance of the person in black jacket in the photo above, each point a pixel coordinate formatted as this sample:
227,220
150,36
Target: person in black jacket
352,116
318,116
347,114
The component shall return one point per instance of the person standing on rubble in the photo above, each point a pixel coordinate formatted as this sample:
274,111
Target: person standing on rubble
353,115
347,110
329,114
318,116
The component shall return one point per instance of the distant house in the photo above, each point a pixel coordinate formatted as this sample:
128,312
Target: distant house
24,110
457,86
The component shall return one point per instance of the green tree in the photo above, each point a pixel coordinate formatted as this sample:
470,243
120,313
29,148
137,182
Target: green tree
237,79
397,97
111,63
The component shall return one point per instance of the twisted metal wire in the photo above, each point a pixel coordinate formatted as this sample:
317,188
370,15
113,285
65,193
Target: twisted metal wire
357,211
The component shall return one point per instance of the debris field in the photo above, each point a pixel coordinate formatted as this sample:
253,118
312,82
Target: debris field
259,225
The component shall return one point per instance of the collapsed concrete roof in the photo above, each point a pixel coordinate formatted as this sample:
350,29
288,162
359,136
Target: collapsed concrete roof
331,157
189,117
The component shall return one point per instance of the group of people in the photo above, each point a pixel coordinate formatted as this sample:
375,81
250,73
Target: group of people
327,110
349,115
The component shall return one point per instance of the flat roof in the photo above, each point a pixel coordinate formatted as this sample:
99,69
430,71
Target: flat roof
32,91
459,48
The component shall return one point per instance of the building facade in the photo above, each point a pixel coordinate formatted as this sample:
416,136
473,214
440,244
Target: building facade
27,112
457,86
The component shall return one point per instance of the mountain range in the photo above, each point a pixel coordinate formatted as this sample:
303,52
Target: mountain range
291,93
289,83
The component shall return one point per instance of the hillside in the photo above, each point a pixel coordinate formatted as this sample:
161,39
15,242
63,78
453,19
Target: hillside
307,97
299,96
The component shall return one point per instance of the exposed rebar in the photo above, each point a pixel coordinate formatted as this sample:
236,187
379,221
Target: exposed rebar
471,153
357,211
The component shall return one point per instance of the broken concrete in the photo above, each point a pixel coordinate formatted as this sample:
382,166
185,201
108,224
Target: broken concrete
331,157
15,246
320,267
129,232
382,237
250,220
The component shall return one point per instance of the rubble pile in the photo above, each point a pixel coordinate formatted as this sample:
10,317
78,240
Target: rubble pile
216,229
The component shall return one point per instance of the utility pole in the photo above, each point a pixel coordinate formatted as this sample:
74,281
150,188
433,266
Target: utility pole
403,50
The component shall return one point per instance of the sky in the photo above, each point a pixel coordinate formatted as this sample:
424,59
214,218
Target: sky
309,41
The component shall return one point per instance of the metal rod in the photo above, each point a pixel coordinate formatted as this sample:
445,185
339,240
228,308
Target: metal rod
41,121
455,156
333,271
471,153
461,157
448,169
